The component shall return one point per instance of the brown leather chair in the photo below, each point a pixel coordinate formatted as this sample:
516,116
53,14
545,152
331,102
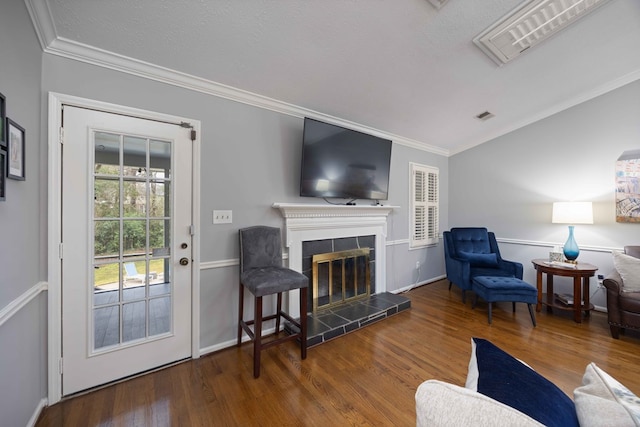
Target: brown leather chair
623,308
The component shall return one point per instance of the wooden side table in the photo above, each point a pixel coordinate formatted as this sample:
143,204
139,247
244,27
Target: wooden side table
582,271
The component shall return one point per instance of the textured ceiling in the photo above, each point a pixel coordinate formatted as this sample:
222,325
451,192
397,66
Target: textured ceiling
398,66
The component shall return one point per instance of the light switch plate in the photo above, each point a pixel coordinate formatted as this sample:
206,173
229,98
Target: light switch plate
222,217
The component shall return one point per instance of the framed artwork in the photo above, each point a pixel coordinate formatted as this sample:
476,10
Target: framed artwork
3,174
15,150
628,187
3,116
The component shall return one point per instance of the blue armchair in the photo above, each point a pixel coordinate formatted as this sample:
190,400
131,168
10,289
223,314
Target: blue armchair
471,252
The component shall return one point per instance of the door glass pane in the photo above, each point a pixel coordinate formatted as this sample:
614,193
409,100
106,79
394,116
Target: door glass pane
107,326
159,230
132,288
107,238
107,154
106,198
135,280
159,319
134,321
134,156
159,200
160,159
106,283
134,237
135,198
159,288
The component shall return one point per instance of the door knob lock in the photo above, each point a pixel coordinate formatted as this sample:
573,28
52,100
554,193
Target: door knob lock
184,261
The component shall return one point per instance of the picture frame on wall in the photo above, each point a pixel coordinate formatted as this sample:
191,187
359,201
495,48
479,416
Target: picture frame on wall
3,174
3,116
15,151
628,187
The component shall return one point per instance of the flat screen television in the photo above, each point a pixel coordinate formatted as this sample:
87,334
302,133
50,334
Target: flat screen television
343,163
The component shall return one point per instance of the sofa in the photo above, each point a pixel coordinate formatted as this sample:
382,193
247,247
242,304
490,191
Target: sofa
623,291
501,390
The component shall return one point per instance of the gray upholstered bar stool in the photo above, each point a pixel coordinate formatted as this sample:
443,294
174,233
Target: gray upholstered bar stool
262,273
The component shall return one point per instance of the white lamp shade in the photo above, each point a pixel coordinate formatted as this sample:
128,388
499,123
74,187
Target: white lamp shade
572,213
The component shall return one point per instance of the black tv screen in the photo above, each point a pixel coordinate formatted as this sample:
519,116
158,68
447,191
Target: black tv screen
343,163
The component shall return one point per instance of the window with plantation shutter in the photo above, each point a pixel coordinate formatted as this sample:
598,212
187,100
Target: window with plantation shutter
424,205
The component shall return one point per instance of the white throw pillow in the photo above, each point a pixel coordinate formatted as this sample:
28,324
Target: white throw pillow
629,269
602,401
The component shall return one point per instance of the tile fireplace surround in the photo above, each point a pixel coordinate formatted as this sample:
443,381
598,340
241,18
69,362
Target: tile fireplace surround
309,222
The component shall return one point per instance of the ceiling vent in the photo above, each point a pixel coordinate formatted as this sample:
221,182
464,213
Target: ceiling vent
484,116
438,3
529,24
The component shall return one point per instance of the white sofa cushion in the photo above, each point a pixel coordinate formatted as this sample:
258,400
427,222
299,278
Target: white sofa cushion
441,404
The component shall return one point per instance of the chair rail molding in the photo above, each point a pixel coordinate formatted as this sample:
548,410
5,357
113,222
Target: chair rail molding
14,306
554,244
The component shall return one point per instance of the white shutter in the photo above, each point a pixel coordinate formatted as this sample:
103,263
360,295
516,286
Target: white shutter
424,205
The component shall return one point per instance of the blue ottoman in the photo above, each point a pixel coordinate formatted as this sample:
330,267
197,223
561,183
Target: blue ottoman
493,289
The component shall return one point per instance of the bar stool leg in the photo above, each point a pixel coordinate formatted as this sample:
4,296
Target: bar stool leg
278,311
257,339
240,314
303,323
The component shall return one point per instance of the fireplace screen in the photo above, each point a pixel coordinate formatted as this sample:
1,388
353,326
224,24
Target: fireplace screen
340,276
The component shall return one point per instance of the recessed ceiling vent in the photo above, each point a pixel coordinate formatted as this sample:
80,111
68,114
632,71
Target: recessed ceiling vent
529,24
438,3
484,116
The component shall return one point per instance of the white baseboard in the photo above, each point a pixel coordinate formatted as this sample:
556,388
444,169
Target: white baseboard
34,418
231,343
418,284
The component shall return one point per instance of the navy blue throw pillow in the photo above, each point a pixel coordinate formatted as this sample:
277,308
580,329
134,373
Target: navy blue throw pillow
480,260
505,379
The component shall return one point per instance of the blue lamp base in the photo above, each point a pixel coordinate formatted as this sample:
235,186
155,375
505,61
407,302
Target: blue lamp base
571,250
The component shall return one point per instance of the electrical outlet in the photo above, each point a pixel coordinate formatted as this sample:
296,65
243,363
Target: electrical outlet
222,217
417,265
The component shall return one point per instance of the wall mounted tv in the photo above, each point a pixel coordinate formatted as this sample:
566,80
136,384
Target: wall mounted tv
343,163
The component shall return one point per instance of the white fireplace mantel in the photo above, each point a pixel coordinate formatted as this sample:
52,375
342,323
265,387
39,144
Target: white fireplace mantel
308,222
300,210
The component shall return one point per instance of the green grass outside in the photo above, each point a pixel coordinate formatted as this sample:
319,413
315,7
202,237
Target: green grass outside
109,273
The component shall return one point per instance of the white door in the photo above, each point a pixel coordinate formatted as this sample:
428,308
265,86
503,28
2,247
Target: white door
126,246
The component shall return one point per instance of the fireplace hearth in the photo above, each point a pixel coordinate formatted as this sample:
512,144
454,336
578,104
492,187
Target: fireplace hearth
337,321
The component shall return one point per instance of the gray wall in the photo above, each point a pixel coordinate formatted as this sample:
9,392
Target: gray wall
510,183
250,159
23,253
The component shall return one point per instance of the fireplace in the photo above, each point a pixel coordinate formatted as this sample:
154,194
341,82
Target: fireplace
312,229
320,229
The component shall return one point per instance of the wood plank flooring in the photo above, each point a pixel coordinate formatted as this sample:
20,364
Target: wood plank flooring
368,377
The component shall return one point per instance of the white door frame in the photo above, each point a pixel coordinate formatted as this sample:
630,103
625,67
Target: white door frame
54,332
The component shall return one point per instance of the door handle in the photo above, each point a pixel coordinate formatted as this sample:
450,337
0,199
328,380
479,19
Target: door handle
184,261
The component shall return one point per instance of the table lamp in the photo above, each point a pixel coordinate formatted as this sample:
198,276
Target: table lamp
572,213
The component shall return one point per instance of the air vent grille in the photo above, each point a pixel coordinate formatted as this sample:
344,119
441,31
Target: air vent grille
529,25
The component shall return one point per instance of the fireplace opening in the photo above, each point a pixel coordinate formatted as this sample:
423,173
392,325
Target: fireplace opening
340,277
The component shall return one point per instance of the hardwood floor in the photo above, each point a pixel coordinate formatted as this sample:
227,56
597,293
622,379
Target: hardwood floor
368,377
